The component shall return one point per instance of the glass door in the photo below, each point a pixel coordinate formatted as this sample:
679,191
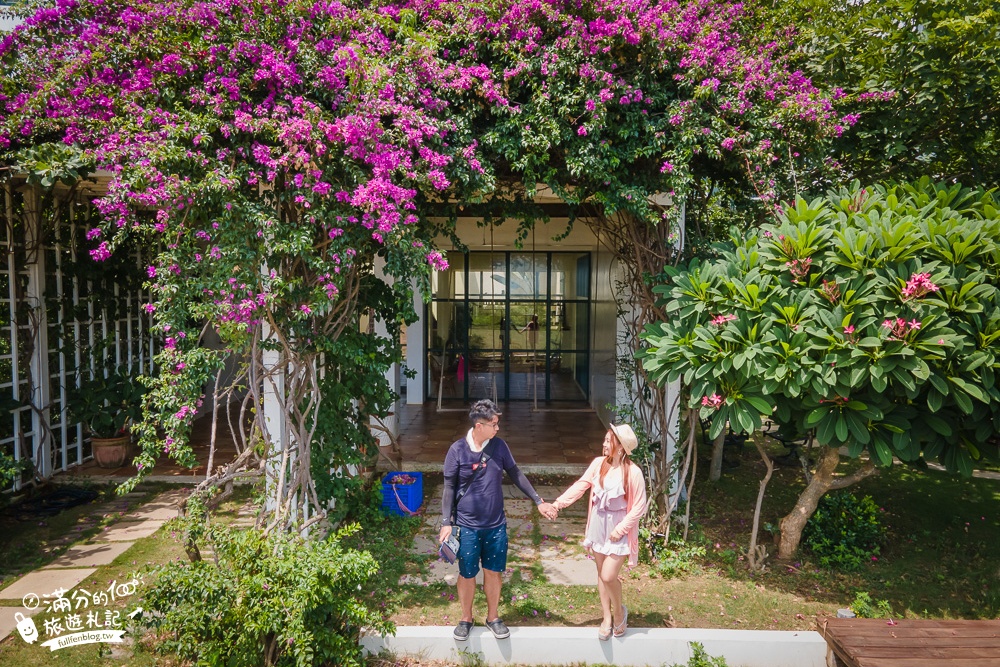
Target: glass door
510,326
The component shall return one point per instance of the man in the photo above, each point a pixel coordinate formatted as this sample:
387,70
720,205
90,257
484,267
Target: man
480,515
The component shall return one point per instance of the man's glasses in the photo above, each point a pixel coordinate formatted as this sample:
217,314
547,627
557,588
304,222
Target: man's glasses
493,425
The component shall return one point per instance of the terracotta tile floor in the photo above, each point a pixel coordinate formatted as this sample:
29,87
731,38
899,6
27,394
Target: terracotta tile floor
568,434
201,437
562,434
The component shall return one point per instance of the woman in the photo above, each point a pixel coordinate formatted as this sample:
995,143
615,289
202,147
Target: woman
617,502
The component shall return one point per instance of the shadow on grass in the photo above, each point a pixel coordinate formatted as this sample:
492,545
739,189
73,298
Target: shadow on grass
939,560
30,539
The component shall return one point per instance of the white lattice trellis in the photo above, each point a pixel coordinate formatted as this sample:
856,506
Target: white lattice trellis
49,320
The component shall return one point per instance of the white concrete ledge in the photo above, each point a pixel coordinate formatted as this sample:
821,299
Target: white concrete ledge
641,647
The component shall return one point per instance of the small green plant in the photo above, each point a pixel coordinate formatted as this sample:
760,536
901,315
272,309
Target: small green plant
673,559
275,600
11,469
845,533
50,163
472,659
701,658
865,607
107,405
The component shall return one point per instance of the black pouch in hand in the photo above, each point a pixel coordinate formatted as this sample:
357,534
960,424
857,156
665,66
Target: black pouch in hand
449,548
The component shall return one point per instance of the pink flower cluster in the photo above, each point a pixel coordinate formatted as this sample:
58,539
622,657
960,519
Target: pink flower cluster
878,96
437,261
714,401
237,303
720,320
830,291
799,268
919,285
899,327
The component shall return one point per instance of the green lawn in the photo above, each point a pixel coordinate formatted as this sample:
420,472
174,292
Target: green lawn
138,561
939,562
28,543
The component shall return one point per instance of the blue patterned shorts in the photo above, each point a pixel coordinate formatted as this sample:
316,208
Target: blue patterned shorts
488,546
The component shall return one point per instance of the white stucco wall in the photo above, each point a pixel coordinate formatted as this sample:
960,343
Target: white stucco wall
8,22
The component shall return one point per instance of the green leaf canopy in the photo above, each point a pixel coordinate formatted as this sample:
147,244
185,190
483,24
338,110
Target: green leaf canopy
870,315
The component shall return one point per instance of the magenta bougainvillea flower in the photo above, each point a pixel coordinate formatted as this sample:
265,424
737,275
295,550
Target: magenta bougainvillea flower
276,152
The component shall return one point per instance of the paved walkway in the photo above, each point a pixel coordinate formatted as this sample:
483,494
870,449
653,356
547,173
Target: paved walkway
82,560
560,554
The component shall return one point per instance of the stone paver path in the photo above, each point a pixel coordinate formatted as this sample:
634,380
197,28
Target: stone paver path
8,620
558,552
82,560
89,555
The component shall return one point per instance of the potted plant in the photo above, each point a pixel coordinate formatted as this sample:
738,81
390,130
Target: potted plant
107,407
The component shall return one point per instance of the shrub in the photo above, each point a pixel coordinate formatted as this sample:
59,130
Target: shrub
270,600
865,607
845,532
669,560
11,469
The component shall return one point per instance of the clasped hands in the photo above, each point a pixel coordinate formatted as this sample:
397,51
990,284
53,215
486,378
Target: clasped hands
551,512
548,510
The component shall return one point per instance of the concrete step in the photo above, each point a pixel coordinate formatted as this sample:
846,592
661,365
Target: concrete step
640,647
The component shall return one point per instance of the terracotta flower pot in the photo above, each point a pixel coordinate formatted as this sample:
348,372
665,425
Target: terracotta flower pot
111,452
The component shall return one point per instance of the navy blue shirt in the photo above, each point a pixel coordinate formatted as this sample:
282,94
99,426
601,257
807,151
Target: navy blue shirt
481,507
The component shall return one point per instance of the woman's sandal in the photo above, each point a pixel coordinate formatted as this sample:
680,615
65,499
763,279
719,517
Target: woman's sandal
604,635
620,629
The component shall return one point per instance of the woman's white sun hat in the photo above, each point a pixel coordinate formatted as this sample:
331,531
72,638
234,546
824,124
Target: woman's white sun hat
626,436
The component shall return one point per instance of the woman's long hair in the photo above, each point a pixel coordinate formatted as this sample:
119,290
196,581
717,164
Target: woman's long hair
626,462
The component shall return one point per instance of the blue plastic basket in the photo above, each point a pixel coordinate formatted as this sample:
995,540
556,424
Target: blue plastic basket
411,495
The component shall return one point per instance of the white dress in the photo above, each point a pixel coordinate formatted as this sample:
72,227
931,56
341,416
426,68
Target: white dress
609,508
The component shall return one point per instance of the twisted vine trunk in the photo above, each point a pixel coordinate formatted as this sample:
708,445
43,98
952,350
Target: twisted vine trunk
643,249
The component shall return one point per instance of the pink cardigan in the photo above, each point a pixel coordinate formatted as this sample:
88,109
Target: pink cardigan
635,506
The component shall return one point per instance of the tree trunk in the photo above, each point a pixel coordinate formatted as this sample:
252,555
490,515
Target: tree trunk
821,482
718,449
756,555
793,524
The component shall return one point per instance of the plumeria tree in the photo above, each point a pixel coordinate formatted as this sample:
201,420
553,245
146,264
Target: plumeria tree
870,316
287,158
